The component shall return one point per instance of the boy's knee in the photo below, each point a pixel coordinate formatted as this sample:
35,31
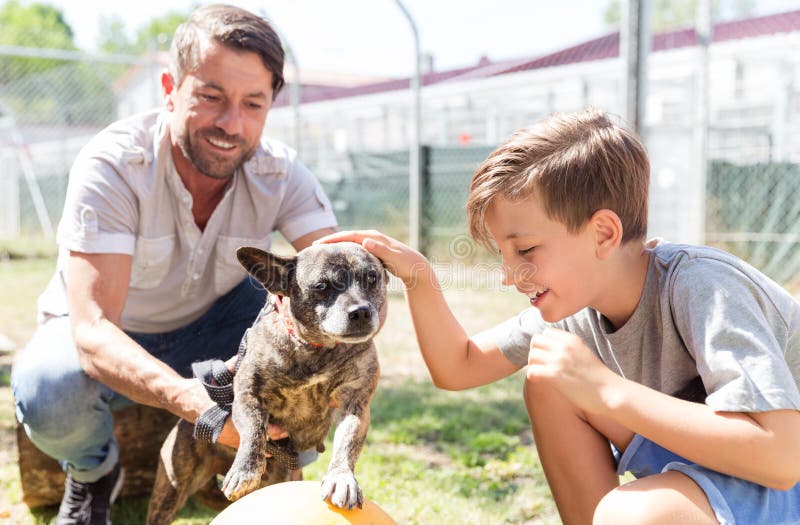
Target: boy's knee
623,508
653,500
540,401
541,395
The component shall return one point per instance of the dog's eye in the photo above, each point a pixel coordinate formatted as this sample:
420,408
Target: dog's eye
372,278
320,286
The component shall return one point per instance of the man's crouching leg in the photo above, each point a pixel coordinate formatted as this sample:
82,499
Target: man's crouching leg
67,415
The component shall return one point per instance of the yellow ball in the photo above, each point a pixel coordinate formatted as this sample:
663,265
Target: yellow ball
297,503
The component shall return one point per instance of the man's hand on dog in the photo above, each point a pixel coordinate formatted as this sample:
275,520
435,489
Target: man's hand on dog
229,436
193,400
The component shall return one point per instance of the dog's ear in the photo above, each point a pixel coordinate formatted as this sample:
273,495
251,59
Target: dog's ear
385,270
273,271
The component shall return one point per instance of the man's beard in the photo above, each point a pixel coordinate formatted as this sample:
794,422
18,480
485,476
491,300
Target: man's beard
207,162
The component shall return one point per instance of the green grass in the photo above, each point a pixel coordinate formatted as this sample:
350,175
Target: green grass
21,282
27,247
451,457
431,456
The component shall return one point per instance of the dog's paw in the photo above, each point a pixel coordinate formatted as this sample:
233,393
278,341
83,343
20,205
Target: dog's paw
239,483
342,490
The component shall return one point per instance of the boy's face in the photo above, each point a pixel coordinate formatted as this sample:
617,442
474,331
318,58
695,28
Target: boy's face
554,268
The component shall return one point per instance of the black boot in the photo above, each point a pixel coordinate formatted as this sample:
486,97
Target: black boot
90,503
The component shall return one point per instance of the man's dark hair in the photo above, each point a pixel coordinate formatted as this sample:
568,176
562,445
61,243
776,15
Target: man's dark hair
230,26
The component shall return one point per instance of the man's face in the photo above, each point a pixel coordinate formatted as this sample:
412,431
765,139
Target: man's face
219,110
554,268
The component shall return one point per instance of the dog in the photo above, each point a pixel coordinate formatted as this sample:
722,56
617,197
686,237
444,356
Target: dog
309,359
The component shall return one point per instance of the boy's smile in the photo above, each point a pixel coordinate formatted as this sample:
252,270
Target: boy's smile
537,297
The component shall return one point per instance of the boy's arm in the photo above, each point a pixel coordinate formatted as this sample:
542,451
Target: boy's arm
760,447
454,360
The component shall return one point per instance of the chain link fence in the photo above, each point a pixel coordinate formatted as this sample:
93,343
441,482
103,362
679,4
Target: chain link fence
374,193
753,211
52,102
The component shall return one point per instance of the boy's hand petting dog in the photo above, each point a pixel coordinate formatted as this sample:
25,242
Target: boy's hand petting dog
564,360
400,259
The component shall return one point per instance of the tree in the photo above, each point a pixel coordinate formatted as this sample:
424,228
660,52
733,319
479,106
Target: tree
155,35
112,36
158,33
49,91
35,25
673,14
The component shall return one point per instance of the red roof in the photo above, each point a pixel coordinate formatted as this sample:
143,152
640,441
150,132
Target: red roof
603,47
317,93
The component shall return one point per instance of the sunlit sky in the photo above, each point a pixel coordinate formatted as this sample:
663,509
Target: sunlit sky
373,36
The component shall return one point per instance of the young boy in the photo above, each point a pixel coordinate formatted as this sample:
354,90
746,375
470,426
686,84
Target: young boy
684,359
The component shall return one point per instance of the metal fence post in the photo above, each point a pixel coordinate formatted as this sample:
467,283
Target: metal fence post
414,143
9,195
426,199
295,87
703,30
634,48
26,163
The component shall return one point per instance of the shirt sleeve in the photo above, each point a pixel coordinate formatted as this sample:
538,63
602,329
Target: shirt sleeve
305,207
513,336
736,335
100,211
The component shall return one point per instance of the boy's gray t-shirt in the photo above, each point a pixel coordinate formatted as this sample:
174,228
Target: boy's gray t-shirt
708,328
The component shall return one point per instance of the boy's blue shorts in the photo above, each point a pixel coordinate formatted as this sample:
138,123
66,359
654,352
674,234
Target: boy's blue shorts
734,500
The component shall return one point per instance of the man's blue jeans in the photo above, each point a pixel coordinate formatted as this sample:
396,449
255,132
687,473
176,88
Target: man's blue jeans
67,414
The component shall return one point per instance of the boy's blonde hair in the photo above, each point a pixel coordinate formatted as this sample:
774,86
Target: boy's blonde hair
577,164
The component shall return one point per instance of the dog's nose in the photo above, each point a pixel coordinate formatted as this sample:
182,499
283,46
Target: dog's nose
359,313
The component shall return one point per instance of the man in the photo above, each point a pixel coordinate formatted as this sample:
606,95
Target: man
147,279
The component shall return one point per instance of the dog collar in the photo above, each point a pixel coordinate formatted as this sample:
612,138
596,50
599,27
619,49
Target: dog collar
288,323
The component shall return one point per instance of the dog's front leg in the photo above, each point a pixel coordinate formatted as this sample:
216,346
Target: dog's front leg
250,418
339,484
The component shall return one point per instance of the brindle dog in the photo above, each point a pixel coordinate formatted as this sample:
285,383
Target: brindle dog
308,360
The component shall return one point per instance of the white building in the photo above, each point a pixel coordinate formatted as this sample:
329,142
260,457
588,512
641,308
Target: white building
754,108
